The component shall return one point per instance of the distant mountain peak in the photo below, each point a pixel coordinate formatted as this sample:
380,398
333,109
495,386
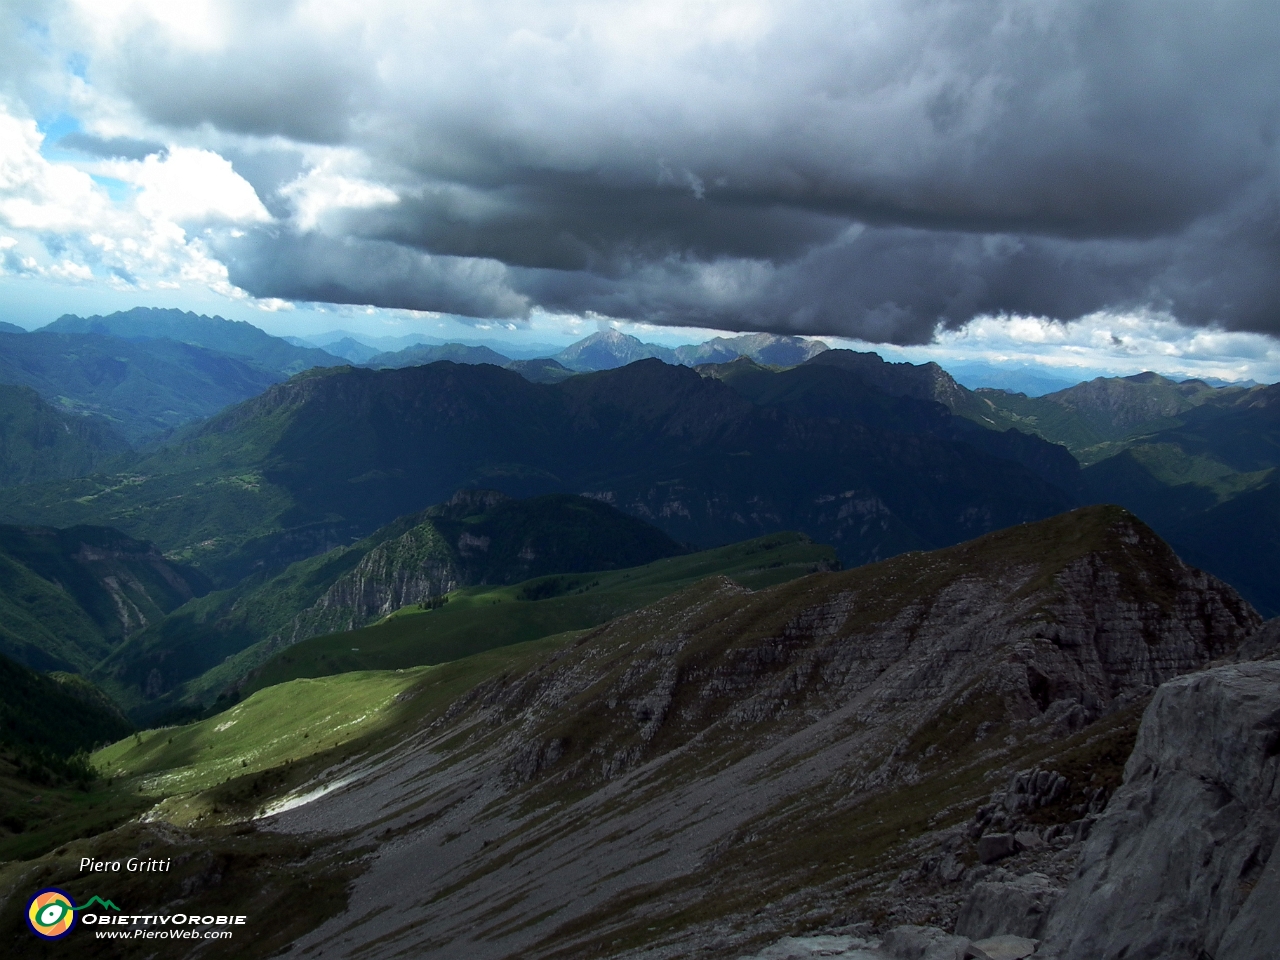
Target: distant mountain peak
420,354
609,349
770,349
235,338
924,381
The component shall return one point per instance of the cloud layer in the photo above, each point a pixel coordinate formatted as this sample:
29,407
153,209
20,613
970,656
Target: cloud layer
865,169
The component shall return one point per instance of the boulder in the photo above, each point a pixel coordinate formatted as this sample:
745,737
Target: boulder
1182,862
1003,948
1015,907
1028,840
950,869
996,846
923,943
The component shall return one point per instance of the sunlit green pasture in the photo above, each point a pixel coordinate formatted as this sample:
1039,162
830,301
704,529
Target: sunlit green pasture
282,724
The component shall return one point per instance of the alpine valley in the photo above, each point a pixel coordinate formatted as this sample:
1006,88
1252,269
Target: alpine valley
751,649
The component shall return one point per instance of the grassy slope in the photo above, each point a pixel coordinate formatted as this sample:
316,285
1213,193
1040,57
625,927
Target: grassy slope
482,618
228,765
281,725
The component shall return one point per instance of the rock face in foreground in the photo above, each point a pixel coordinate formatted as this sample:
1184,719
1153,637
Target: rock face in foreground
1181,864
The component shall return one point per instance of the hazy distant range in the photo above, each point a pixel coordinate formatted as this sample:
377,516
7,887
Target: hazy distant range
1032,379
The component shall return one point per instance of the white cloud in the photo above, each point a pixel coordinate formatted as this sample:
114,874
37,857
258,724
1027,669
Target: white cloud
188,186
1111,343
330,187
69,270
37,195
196,186
71,230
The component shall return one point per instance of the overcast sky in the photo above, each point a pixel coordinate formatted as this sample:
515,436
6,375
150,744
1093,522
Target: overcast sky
880,170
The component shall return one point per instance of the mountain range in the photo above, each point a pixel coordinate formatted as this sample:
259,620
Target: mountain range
256,485
145,371
235,338
475,538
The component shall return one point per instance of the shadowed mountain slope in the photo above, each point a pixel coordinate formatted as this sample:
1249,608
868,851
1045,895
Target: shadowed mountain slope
1208,485
476,537
258,484
68,597
42,715
39,443
837,392
544,370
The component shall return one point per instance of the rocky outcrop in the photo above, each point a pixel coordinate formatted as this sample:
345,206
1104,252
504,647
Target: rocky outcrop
1017,907
1263,645
1181,864
923,943
413,568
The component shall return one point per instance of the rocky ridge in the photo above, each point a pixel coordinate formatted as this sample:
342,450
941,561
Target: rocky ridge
1180,865
724,767
415,567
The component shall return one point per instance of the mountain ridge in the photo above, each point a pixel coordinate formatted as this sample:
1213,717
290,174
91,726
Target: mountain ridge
236,338
658,441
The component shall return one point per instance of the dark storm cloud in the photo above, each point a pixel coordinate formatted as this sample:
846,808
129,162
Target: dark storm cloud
377,273
269,80
865,169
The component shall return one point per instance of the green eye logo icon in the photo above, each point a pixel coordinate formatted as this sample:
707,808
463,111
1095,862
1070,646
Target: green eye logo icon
51,914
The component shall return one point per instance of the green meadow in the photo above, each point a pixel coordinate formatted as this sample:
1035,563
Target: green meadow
283,724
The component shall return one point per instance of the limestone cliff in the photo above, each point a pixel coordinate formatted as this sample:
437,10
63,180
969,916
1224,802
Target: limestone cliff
1182,863
414,567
